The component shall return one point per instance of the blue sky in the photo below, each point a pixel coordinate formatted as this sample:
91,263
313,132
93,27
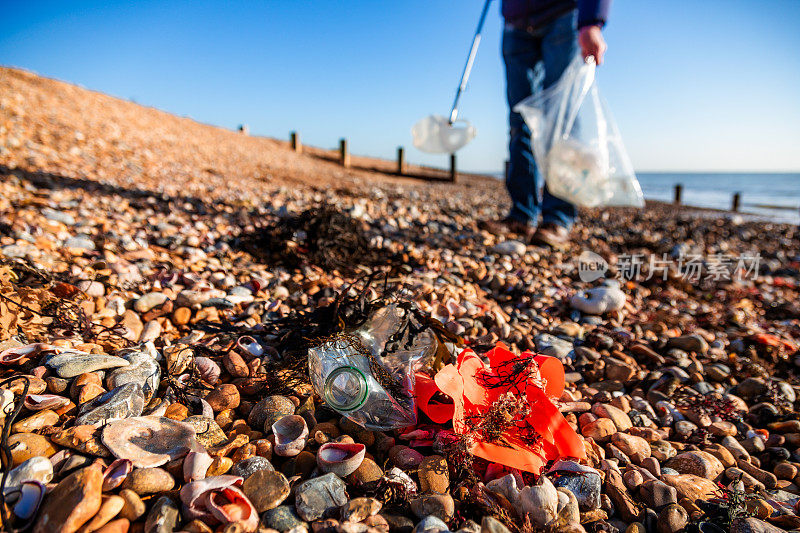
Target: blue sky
694,84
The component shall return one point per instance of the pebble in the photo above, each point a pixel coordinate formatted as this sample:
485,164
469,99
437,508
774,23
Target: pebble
150,300
163,517
282,518
433,474
699,463
434,504
266,489
74,501
599,300
268,411
318,497
250,466
146,481
510,248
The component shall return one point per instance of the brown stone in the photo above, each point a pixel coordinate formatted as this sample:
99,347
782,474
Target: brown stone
367,472
636,448
224,396
600,430
702,464
82,438
36,421
133,507
26,445
691,486
266,489
434,475
120,525
72,503
181,316
110,507
622,499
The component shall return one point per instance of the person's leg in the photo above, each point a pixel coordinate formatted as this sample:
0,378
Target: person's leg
559,47
521,53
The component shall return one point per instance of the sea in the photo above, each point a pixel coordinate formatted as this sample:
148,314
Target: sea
775,196
770,195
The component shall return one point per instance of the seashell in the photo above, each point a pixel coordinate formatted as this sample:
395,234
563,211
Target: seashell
178,356
123,402
58,459
230,505
291,432
195,465
21,354
115,473
31,494
6,402
441,313
249,346
540,501
340,458
38,402
149,441
219,499
34,469
396,475
208,369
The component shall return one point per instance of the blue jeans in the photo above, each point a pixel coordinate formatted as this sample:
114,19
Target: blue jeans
534,61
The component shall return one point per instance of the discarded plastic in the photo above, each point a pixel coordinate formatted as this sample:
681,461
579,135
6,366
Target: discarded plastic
505,410
434,134
368,375
577,143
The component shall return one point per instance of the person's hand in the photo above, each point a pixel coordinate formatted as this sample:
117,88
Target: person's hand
592,43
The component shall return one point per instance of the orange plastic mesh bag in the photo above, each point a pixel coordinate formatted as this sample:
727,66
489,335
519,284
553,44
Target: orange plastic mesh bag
540,435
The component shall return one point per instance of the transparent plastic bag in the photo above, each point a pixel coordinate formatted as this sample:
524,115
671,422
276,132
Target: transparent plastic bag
368,374
434,134
577,144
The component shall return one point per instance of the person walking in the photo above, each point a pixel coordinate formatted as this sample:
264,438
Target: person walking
540,39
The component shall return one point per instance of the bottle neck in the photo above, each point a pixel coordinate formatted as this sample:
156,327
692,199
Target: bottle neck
345,389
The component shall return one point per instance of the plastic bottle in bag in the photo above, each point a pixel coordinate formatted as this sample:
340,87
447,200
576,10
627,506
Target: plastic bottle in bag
368,375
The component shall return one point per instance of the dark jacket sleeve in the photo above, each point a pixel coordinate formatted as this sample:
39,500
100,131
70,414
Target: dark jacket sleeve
593,12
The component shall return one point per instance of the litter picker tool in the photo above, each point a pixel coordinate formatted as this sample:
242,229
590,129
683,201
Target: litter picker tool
440,135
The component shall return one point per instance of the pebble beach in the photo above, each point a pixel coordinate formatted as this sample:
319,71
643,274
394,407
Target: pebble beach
154,272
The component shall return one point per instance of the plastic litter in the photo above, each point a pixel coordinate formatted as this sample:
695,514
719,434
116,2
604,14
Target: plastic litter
577,143
368,375
531,436
436,135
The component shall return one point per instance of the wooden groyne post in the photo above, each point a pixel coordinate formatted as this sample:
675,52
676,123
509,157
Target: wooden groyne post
453,170
295,141
344,154
737,197
678,193
401,160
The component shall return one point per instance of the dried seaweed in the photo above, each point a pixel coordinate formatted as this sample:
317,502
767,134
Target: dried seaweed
322,236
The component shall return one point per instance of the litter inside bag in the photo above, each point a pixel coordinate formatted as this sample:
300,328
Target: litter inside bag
434,134
368,374
577,144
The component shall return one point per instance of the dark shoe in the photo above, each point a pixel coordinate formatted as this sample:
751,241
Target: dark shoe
551,235
507,225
